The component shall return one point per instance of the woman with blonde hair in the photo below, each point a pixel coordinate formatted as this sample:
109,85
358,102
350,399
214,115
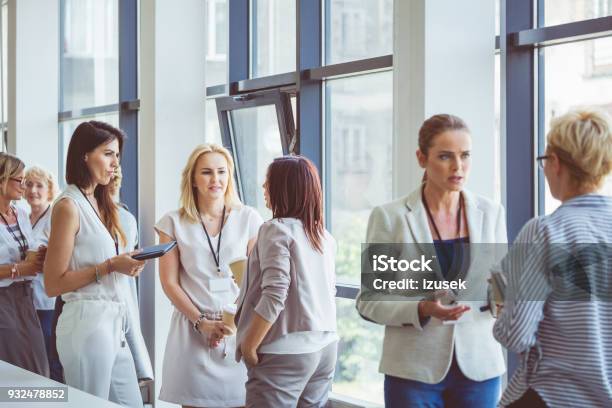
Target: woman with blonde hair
21,338
212,228
557,311
40,191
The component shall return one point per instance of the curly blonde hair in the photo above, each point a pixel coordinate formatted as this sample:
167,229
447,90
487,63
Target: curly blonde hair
582,140
36,172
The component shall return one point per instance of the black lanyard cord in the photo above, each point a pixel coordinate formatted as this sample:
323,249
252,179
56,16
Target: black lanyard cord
217,255
41,216
433,223
21,242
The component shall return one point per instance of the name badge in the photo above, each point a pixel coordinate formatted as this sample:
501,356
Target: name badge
220,284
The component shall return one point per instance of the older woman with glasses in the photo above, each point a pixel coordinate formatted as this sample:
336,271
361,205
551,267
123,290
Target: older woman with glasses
21,337
557,312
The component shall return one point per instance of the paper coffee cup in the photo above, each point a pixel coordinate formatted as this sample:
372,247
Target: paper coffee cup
229,313
31,255
238,266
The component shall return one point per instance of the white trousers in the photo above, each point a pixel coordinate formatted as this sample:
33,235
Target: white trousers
93,351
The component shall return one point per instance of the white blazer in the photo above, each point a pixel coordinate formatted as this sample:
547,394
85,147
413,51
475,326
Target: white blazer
424,353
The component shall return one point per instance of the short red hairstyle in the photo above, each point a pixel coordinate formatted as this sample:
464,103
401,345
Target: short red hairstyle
294,190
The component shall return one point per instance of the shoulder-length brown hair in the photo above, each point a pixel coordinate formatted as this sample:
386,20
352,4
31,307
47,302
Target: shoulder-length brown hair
294,191
86,138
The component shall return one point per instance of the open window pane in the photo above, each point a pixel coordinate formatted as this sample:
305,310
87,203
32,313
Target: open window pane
359,136
577,74
257,138
89,53
273,37
213,132
358,29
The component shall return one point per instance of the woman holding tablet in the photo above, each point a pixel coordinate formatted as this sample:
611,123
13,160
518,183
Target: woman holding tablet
212,229
83,264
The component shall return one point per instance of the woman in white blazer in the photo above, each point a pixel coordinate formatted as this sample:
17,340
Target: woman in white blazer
436,353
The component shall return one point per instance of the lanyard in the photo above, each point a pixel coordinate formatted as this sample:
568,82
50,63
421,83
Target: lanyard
41,216
100,218
434,223
217,255
23,244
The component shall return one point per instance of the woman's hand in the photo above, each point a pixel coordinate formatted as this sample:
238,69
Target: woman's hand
434,308
127,265
29,268
249,354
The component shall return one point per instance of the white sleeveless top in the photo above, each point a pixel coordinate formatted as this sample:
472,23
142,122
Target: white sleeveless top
40,233
9,249
93,245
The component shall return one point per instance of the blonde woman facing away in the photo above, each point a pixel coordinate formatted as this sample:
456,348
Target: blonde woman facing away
212,228
558,305
437,353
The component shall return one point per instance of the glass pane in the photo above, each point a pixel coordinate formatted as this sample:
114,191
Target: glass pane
358,29
567,11
3,77
213,131
65,133
576,74
359,351
258,142
497,131
89,54
497,16
359,133
216,52
273,37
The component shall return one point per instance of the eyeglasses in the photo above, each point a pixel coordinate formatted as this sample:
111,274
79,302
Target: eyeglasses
21,181
540,160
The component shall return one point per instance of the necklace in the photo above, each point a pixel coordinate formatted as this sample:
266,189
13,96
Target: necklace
431,219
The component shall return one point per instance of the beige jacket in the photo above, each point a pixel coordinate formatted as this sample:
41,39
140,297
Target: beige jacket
424,353
288,282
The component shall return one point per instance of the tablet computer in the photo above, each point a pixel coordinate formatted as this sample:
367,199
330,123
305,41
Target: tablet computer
154,251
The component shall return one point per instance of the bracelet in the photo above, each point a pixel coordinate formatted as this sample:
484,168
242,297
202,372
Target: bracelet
196,324
109,266
97,274
14,271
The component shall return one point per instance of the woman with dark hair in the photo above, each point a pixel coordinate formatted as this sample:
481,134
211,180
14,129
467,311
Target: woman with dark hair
287,312
82,265
439,350
21,337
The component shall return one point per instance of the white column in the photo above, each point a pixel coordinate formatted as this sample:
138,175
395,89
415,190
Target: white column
172,122
444,63
33,75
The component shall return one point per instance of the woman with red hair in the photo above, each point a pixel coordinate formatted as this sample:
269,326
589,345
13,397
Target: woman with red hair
287,313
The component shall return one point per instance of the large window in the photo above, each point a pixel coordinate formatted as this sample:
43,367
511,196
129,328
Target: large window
273,37
566,11
358,29
216,51
89,54
3,74
89,67
576,74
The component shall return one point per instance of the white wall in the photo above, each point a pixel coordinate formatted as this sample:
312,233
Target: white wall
33,75
172,122
444,63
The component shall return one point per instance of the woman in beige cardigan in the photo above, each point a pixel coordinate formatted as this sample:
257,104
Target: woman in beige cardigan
437,354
